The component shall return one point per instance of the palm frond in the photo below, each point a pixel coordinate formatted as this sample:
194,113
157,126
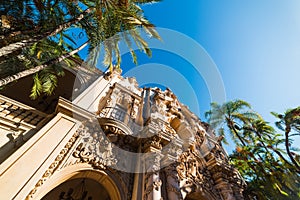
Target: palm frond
37,87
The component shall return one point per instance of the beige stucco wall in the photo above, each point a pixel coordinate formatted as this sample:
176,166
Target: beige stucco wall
22,170
90,98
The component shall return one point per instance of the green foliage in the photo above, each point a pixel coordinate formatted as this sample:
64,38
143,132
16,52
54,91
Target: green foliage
46,81
232,114
289,122
37,87
43,29
268,169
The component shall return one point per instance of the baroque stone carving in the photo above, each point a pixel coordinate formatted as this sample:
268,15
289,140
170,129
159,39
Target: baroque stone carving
153,185
114,130
172,181
194,173
181,154
114,98
156,184
135,108
94,148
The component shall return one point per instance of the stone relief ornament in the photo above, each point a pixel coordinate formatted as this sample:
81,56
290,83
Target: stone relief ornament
193,173
131,84
220,154
113,129
172,177
153,184
113,99
156,184
127,100
135,108
94,149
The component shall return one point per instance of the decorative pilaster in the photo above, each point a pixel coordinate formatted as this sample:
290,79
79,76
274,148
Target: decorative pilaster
152,181
152,156
170,163
173,182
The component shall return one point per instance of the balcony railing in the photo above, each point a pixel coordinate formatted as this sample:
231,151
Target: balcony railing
121,115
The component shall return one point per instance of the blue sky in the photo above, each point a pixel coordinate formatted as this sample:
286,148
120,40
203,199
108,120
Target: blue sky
255,46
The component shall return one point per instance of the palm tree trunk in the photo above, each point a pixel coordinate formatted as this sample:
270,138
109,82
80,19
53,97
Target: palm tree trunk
271,147
6,50
237,134
33,70
287,146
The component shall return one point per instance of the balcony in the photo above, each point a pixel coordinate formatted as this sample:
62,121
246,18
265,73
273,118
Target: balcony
122,118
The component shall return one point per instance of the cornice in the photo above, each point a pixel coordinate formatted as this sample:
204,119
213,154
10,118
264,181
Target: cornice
68,108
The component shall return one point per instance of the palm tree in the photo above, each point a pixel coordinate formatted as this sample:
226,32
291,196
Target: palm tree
49,74
258,155
233,114
101,21
265,136
28,39
100,13
29,21
289,122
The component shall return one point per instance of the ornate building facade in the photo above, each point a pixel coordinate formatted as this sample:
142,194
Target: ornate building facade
109,139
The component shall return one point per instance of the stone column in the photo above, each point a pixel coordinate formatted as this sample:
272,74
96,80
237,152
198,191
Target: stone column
170,163
173,183
151,158
152,181
147,107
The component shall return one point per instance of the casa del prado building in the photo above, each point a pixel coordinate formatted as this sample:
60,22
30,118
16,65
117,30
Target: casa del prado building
102,137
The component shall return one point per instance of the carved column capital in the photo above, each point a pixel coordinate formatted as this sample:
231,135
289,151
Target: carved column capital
152,144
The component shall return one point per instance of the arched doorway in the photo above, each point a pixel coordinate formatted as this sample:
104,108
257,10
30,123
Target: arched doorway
78,189
67,179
